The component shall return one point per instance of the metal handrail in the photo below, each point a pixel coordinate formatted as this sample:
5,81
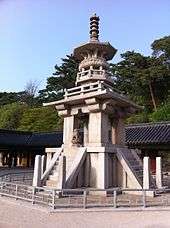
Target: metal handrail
16,173
80,197
17,177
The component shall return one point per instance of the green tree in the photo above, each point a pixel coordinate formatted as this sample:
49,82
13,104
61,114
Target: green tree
10,115
161,49
162,113
40,119
145,79
63,77
9,97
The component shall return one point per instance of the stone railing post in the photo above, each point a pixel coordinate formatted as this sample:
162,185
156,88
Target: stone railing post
146,174
37,172
43,164
158,172
1,159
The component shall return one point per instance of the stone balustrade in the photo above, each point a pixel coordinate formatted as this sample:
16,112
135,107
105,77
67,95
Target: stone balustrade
92,87
92,73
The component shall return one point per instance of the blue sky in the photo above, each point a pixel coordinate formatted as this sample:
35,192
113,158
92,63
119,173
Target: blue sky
36,34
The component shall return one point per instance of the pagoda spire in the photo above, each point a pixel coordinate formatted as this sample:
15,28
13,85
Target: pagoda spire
94,28
93,57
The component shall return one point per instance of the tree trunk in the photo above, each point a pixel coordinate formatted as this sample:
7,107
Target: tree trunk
152,96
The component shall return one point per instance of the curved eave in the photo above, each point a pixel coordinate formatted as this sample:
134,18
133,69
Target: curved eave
122,100
105,47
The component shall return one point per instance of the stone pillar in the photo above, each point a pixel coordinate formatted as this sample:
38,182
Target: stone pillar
68,130
43,164
37,172
1,159
62,172
86,134
120,132
20,159
98,129
49,157
114,169
146,173
87,171
102,173
158,172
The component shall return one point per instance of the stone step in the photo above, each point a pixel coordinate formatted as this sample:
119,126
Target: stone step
138,171
133,160
54,171
137,167
139,174
56,165
51,183
53,177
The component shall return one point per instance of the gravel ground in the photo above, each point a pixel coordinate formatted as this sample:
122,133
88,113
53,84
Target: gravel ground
16,214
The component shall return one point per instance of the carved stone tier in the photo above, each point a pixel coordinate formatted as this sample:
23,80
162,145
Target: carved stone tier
91,75
94,97
93,61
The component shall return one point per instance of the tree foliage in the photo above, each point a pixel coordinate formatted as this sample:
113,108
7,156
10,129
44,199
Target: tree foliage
162,114
10,115
18,116
9,97
161,49
63,77
40,119
144,79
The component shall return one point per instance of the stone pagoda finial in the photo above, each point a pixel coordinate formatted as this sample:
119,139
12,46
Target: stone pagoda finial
93,57
94,28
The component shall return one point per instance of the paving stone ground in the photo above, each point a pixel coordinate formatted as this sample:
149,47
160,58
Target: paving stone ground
16,214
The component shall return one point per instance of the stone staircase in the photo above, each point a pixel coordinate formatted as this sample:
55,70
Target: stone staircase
50,177
53,177
135,164
70,171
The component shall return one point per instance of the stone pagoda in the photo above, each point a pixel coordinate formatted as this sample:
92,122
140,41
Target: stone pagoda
93,153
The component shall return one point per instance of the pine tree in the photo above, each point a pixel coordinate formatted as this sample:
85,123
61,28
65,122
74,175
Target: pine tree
63,77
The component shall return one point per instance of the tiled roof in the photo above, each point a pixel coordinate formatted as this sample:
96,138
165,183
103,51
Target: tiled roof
150,133
11,138
21,138
47,139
